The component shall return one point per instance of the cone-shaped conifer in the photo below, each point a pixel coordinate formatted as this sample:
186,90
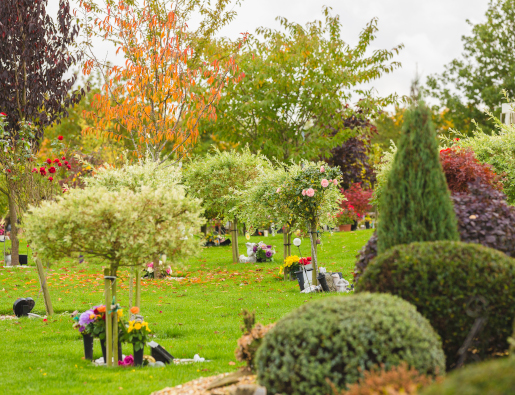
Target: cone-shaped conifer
416,204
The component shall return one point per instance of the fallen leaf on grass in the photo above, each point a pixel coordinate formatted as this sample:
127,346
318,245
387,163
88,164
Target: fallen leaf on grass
232,363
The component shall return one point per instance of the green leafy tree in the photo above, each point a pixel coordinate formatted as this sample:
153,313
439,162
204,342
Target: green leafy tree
219,178
297,81
475,81
416,205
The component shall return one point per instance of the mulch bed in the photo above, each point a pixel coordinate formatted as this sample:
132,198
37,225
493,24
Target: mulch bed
204,385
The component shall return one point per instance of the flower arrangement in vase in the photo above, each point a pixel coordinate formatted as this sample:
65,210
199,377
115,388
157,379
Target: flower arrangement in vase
306,263
291,265
90,324
136,332
149,270
263,252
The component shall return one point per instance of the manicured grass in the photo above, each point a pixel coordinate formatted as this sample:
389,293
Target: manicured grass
200,315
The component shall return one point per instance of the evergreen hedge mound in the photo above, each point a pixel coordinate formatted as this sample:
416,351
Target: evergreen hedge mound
487,378
340,337
447,281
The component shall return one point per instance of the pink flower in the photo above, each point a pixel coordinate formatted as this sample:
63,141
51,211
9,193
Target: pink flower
3,114
278,190
310,192
322,169
150,264
335,182
303,192
325,183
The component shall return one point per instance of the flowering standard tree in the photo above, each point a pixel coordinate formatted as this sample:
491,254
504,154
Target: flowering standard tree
262,203
311,196
220,180
118,228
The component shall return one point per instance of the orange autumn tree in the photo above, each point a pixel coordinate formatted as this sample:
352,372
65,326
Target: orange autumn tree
171,78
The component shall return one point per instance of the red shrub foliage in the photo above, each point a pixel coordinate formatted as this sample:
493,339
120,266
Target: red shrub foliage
462,168
358,198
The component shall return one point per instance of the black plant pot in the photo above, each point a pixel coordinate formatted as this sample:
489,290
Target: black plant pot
367,225
88,346
138,357
263,259
300,279
103,346
23,259
354,226
323,282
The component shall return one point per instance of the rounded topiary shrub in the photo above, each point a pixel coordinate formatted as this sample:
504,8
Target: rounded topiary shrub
487,378
451,284
340,337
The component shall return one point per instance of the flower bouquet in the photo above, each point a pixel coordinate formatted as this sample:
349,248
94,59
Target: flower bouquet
90,324
136,332
149,270
291,265
264,253
306,263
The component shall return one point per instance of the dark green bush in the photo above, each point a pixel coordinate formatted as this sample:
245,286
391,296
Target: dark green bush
487,378
340,337
444,280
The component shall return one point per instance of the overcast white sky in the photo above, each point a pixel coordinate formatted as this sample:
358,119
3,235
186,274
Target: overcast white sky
430,30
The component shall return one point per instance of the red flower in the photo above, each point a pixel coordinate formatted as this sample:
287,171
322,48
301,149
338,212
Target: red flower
63,158
59,164
34,170
52,170
69,167
50,179
3,113
8,170
65,162
43,171
56,160
59,138
49,161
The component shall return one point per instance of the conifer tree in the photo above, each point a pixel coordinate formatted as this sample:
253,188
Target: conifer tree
416,204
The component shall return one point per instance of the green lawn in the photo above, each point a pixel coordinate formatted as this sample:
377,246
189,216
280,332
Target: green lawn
197,316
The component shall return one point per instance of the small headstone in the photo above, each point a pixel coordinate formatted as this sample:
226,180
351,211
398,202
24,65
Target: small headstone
159,353
23,306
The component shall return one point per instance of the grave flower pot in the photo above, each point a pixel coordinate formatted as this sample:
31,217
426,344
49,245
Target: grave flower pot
309,266
323,282
354,226
138,356
344,228
103,346
88,346
300,279
367,224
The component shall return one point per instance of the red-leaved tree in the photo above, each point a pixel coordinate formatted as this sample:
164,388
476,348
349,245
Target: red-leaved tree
358,197
461,168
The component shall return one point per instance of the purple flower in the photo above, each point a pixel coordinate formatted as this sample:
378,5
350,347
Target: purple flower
268,246
255,248
81,329
268,253
85,319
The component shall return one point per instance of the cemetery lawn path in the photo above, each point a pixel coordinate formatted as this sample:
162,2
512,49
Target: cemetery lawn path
199,315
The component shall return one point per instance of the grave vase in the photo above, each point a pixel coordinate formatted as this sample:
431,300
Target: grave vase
138,356
88,346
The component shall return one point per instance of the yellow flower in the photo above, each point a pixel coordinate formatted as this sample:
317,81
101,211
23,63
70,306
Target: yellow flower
120,312
137,326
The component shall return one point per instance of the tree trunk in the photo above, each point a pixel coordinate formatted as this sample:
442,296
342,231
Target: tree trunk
157,267
15,244
44,287
234,241
203,229
289,240
313,239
